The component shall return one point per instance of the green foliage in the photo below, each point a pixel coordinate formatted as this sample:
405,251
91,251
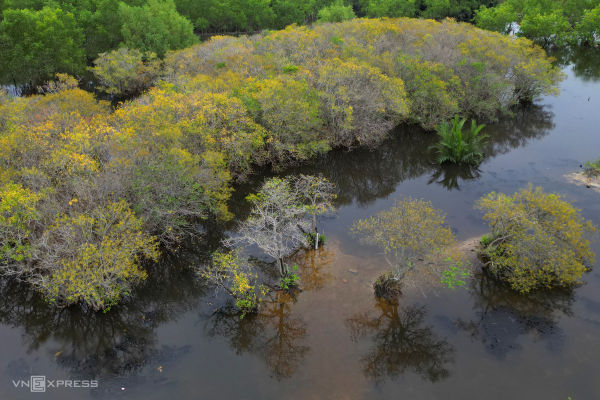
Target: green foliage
391,8
155,27
458,147
486,240
591,169
587,31
18,212
310,237
538,240
125,72
336,12
545,20
37,44
499,18
545,27
234,275
455,274
290,281
409,231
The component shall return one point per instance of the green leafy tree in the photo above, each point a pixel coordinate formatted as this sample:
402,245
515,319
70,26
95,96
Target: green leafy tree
543,27
155,27
37,44
538,240
499,18
337,12
103,27
588,29
409,231
391,8
126,72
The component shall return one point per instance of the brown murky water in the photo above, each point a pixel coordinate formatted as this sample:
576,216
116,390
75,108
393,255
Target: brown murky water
334,340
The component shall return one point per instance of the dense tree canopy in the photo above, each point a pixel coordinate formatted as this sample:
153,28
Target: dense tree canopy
42,37
159,165
545,20
155,27
36,44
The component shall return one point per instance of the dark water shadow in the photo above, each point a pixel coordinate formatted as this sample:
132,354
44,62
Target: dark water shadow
275,335
503,316
400,342
103,345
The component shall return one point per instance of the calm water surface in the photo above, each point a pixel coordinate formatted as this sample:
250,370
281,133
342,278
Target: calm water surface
334,340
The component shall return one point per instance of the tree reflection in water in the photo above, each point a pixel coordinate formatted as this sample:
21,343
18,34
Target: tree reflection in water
274,334
96,345
313,267
584,61
400,343
503,316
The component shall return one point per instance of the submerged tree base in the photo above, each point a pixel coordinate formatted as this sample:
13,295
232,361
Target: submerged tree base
388,287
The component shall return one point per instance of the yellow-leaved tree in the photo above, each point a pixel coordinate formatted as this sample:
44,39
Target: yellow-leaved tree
537,240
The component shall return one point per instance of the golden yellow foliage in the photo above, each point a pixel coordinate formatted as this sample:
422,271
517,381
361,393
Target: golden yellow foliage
538,240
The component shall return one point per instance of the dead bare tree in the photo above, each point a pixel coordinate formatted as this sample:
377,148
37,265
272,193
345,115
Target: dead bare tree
317,194
277,222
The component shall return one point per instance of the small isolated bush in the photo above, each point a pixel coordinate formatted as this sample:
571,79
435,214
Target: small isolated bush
337,12
591,169
126,72
456,273
537,241
235,276
290,281
458,147
407,232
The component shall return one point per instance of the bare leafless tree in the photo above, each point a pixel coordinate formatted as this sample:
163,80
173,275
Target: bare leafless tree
277,223
318,194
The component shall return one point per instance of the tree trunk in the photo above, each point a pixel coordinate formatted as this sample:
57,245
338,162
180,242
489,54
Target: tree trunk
282,267
316,238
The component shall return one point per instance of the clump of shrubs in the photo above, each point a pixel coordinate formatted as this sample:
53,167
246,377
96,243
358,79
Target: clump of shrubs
591,169
537,240
126,72
234,275
409,232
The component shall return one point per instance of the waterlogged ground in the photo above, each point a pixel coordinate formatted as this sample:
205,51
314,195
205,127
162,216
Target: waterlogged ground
334,340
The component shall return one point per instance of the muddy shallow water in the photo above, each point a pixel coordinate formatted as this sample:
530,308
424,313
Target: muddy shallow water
334,339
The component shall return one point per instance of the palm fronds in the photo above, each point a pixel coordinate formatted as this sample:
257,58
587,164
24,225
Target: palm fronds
456,146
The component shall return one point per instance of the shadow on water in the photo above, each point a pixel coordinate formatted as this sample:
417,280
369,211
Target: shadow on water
276,335
365,175
502,316
97,345
400,342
